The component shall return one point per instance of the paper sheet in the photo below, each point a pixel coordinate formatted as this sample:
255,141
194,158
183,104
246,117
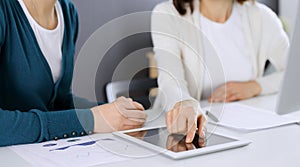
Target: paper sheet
245,118
79,152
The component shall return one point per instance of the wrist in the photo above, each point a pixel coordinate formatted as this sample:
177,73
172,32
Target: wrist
257,89
190,103
99,121
187,103
94,111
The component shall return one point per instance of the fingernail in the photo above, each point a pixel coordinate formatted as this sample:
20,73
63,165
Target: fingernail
188,140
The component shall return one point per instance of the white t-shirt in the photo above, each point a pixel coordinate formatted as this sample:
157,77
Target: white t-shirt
229,42
50,41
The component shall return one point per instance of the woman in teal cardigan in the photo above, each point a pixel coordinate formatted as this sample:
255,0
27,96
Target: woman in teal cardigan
33,106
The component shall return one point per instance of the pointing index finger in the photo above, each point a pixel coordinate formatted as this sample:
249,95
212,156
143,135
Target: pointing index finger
192,127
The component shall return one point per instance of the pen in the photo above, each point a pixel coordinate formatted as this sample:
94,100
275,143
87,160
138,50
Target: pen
211,116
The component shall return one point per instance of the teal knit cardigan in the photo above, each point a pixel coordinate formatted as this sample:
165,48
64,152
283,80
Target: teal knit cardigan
32,107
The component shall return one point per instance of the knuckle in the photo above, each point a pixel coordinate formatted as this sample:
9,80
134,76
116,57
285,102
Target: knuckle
175,112
144,116
120,98
122,119
230,85
181,130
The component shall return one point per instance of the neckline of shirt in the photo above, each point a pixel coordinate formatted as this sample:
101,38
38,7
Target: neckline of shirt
29,16
227,22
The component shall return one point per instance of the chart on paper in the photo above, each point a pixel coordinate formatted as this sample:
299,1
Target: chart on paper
79,152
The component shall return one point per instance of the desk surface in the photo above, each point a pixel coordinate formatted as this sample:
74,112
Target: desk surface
276,147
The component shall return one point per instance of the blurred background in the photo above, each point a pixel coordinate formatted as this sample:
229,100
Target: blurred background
95,13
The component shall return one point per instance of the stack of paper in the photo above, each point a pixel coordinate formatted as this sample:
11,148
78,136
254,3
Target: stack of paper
245,118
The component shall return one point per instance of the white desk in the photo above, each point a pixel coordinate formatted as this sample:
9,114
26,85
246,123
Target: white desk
279,147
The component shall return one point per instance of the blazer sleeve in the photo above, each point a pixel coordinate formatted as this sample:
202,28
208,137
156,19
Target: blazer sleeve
37,126
173,86
275,45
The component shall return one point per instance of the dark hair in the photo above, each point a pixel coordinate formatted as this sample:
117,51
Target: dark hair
181,5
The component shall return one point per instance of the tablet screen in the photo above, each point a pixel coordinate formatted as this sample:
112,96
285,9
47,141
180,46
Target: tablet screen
176,143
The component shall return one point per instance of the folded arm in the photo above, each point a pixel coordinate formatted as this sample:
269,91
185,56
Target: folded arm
275,47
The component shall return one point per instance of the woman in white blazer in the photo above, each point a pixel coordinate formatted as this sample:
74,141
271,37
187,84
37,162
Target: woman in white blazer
215,50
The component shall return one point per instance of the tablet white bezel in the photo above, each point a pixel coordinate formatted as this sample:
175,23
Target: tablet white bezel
180,155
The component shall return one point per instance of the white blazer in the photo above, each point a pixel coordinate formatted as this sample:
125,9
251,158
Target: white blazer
178,46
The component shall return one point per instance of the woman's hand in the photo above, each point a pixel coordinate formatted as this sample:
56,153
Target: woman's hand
122,114
184,118
234,91
177,143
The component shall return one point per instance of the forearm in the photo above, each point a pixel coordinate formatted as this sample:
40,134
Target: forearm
172,95
271,83
37,126
171,79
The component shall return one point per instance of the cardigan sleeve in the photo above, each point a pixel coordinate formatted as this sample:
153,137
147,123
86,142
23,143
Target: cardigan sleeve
75,21
275,46
2,28
173,86
37,126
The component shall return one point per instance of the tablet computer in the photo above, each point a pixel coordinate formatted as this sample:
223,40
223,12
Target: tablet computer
174,146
